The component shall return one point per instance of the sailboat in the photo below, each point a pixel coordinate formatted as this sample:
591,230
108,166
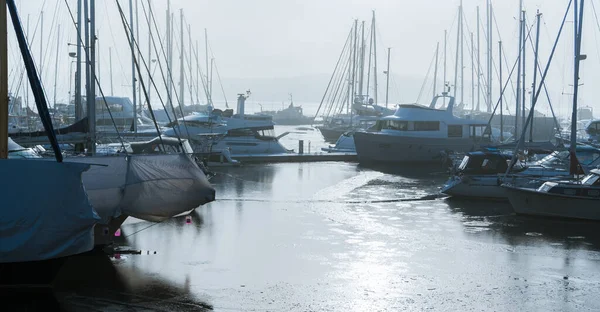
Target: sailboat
568,199
46,212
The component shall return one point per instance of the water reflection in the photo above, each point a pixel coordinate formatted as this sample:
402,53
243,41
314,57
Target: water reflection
525,230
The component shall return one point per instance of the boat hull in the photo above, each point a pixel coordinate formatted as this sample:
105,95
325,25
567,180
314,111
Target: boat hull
475,188
531,202
375,147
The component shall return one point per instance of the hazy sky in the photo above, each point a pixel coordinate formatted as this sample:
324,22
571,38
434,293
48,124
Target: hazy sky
283,39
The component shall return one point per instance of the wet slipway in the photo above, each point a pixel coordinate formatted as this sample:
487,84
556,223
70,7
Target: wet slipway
339,237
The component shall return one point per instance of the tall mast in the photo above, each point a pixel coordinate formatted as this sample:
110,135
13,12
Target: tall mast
27,80
3,81
472,73
435,72
87,54
375,57
445,62
56,64
78,106
133,78
181,61
490,58
139,52
501,93
150,17
535,64
171,31
168,39
197,74
462,67
112,90
523,80
457,55
578,22
518,102
190,59
387,83
349,103
41,61
478,63
362,60
354,67
210,81
208,95
91,97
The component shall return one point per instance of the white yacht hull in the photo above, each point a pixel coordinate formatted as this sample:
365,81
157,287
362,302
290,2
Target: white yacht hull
532,202
376,147
477,187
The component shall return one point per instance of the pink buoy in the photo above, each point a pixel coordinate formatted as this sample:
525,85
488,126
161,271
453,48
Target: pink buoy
118,232
188,219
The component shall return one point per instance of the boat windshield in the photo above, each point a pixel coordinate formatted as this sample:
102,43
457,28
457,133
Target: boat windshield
591,179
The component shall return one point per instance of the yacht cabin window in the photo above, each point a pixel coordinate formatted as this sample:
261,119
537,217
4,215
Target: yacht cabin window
455,131
395,125
427,126
594,128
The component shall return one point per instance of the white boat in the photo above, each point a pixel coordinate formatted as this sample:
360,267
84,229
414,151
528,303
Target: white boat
574,200
481,174
419,134
344,144
242,134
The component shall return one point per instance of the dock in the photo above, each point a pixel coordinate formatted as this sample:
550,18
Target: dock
296,158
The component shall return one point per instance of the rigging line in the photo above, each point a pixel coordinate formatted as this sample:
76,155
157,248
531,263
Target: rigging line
202,77
220,83
341,85
87,61
538,90
128,32
426,78
333,74
539,68
112,35
150,18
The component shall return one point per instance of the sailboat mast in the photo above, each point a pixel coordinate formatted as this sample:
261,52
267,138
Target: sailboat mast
41,61
457,55
490,58
91,97
3,82
78,105
133,80
208,95
362,60
181,61
472,73
462,59
78,44
387,83
435,71
577,22
197,74
501,93
353,67
535,64
150,16
478,63
518,100
524,69
56,64
168,42
375,73
190,59
445,63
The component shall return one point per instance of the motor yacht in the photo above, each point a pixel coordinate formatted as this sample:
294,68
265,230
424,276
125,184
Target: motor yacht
419,134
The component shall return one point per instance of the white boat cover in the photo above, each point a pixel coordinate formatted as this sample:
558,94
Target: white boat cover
148,187
45,212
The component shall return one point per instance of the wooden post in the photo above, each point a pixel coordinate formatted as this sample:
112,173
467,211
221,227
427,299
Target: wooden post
3,82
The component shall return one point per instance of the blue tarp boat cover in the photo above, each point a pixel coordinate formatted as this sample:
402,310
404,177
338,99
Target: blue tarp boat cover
45,212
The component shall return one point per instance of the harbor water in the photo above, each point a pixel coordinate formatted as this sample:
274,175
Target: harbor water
336,236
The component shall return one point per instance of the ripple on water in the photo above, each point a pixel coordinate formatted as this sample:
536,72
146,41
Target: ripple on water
533,234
